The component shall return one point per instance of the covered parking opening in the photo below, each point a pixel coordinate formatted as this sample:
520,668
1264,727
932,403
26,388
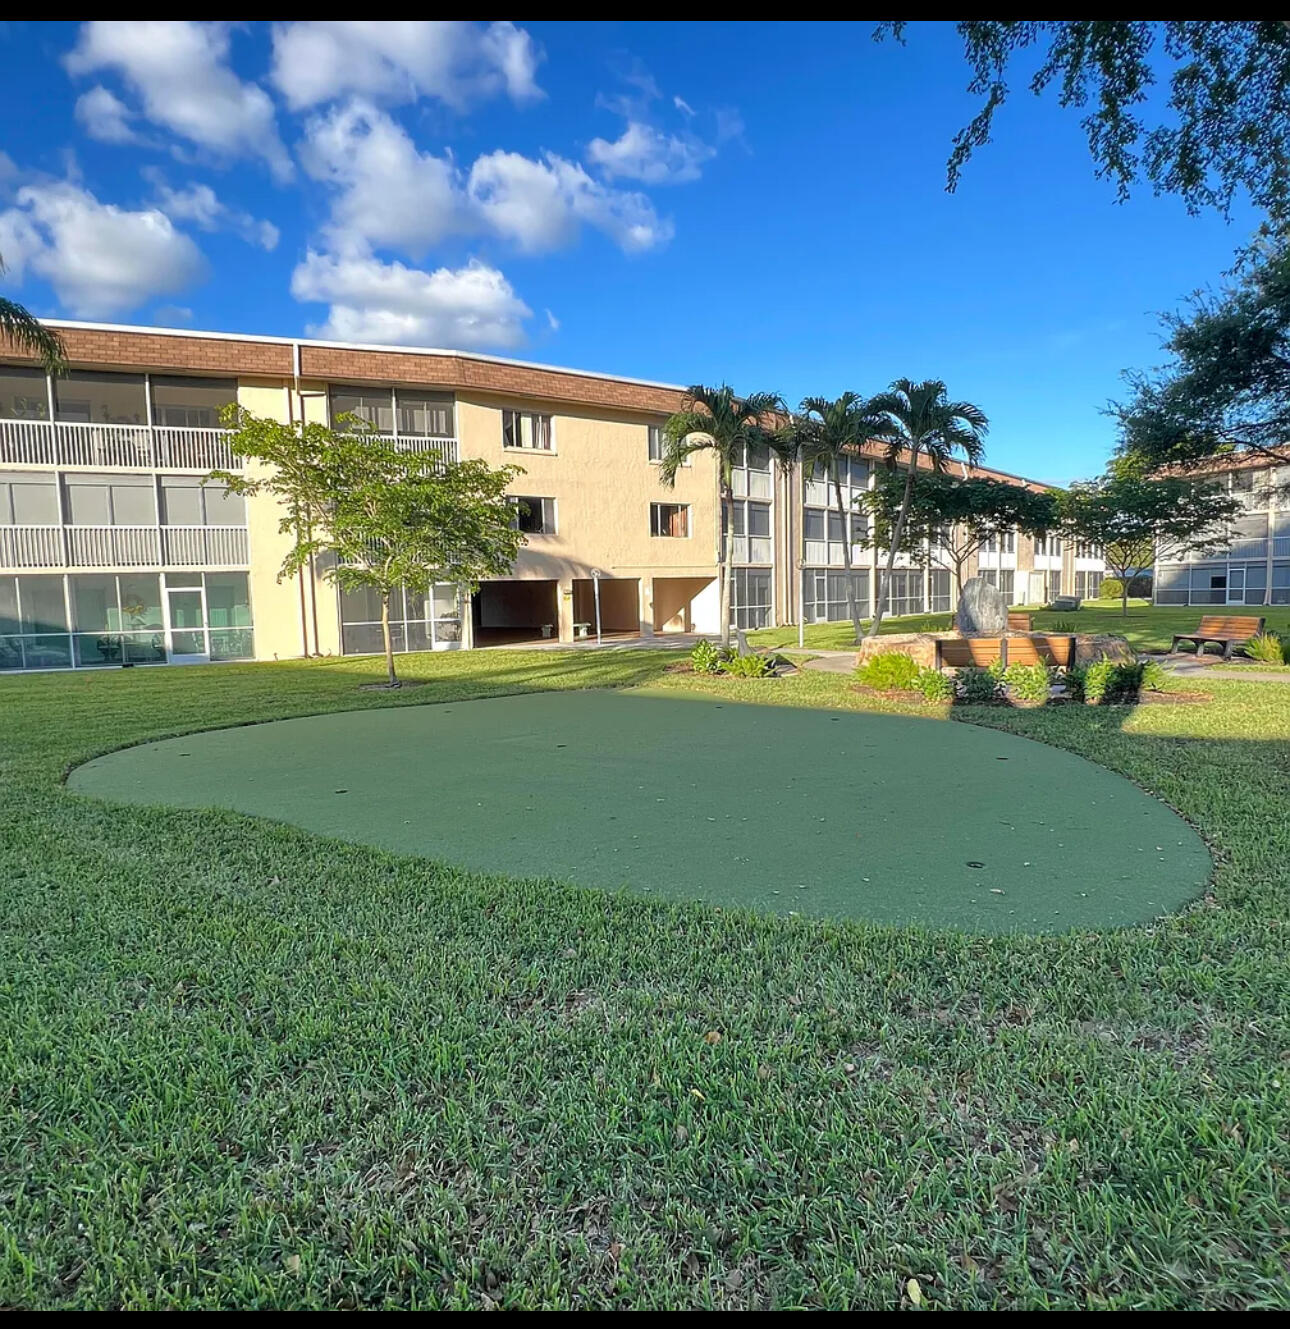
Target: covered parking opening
685,604
503,612
620,600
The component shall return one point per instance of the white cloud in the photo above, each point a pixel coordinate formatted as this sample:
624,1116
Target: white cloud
180,72
100,259
104,116
200,205
647,154
321,60
373,301
387,192
538,205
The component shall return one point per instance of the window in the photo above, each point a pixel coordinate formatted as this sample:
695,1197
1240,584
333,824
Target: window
1048,544
940,592
87,397
24,393
751,474
824,595
1054,585
822,532
1000,542
28,500
669,519
1088,585
185,501
33,624
423,415
655,443
190,403
750,599
905,594
534,516
1002,578
753,542
110,500
418,622
1085,549
374,407
117,619
527,431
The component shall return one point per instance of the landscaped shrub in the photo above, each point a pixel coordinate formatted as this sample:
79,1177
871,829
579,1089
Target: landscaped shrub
1063,625
1268,648
1154,676
705,658
1107,682
977,687
748,666
1029,682
891,671
1075,678
996,669
934,685
1112,589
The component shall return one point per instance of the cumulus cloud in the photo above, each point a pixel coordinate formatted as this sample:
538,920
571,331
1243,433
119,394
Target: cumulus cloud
179,70
538,205
647,154
104,116
386,191
100,259
200,205
456,62
374,301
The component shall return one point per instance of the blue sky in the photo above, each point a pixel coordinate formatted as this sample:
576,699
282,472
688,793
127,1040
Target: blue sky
762,204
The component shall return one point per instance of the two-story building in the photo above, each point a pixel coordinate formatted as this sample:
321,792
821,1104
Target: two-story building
113,550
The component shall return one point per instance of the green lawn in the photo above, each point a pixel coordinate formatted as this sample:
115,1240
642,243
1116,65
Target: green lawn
1147,627
248,1066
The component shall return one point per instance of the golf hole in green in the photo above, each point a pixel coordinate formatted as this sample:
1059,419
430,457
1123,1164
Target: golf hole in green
838,814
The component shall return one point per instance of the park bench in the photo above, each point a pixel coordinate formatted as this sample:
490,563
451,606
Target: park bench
963,652
1018,621
1065,603
1225,630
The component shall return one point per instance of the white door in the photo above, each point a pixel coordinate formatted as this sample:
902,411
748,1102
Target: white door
186,625
1236,586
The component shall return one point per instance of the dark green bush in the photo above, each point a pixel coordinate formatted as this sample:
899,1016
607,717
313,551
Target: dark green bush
977,687
891,671
748,666
1107,682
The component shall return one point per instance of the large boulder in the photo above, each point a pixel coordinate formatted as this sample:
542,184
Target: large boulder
920,646
1094,645
982,611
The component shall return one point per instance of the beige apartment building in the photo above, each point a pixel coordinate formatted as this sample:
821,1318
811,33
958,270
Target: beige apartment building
113,551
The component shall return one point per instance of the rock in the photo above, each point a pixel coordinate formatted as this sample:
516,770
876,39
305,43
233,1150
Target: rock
921,646
982,611
1094,645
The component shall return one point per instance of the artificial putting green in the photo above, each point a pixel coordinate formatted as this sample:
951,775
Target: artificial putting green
882,817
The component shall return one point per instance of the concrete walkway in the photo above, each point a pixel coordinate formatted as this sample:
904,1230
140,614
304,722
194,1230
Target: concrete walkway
831,662
1189,668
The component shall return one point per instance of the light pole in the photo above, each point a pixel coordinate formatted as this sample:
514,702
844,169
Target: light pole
595,583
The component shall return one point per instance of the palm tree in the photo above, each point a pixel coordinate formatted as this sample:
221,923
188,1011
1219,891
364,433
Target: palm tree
26,332
918,420
715,420
825,433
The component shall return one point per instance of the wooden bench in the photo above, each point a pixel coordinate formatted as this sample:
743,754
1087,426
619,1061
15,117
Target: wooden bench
963,652
1225,630
1018,621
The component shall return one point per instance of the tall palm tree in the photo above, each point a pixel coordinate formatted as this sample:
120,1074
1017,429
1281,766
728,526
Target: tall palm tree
26,332
716,420
825,433
919,420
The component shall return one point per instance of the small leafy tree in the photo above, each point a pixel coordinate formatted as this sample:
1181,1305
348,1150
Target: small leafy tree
716,420
385,517
408,520
918,420
25,332
823,434
1137,521
951,519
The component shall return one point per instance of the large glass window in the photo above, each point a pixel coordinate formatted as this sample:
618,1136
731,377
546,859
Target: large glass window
28,499
750,599
1088,585
373,406
191,403
1003,578
940,596
752,531
824,595
228,615
110,500
905,595
425,415
534,516
24,393
83,396
186,501
418,622
33,623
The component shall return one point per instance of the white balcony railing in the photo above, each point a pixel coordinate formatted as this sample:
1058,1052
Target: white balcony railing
42,443
124,546
445,447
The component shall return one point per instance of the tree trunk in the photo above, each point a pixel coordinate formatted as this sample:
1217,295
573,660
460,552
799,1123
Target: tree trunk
1124,597
852,608
897,533
727,563
389,644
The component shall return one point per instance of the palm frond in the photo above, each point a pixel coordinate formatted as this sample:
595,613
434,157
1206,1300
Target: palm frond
24,331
